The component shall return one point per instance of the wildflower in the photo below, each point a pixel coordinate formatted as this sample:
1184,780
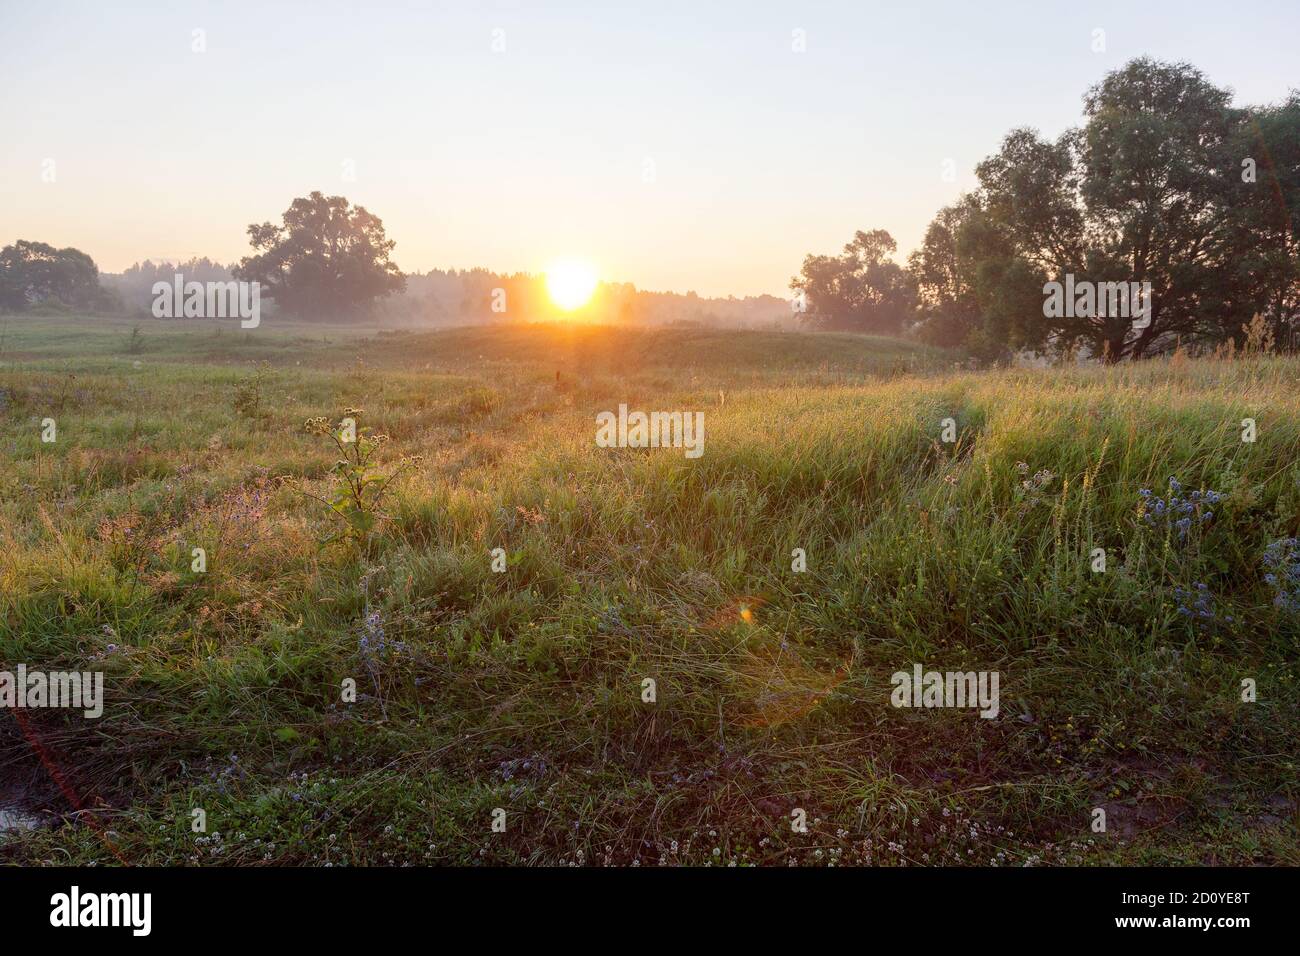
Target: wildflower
373,643
1177,512
1282,558
1198,605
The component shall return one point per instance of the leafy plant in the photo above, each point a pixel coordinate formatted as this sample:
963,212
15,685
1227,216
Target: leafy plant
248,393
359,485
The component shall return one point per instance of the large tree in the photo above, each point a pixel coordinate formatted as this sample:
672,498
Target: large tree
862,290
32,272
1156,170
942,272
1151,189
327,257
1263,276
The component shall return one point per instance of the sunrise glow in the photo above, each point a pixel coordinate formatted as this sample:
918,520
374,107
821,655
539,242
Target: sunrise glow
570,283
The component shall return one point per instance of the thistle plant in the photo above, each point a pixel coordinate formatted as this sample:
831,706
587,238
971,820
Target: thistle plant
1282,559
359,485
1178,514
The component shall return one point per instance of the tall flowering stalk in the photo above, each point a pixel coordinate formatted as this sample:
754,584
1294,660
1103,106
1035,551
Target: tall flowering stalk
359,487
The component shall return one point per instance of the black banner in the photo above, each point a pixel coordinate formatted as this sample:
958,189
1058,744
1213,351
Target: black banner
332,905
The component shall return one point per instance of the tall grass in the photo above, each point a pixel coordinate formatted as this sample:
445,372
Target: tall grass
524,689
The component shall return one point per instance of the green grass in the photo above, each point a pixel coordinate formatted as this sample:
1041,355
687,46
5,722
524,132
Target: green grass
522,690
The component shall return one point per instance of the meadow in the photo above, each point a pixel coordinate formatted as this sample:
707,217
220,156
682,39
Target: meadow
524,690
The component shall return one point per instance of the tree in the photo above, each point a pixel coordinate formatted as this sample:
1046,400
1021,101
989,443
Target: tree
1156,168
1154,188
1264,221
1026,228
862,290
327,258
32,272
942,273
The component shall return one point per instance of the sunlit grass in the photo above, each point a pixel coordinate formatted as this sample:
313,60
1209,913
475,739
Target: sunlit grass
523,689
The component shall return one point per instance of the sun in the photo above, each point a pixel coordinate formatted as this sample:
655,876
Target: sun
570,283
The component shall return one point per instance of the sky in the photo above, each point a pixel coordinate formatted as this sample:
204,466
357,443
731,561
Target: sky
675,145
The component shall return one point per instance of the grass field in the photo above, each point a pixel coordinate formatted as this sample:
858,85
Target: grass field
523,690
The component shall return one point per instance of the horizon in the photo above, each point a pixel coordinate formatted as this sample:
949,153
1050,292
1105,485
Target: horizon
523,161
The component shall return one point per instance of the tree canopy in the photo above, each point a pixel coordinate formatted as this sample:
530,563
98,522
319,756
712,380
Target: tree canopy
35,272
862,290
327,257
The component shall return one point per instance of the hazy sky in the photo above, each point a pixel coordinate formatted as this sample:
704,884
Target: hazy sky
511,159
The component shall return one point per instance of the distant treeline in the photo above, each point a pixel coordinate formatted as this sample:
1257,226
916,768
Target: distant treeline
132,290
471,296
437,297
468,297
